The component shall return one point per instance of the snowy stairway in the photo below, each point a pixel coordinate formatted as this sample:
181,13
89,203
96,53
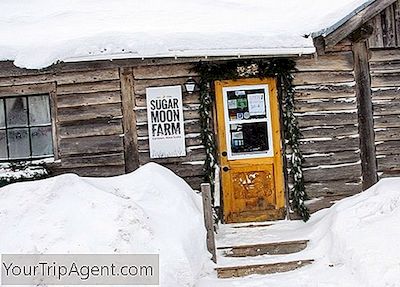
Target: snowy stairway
238,260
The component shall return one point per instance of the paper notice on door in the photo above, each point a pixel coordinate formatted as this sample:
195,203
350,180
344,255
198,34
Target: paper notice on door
237,135
256,104
232,104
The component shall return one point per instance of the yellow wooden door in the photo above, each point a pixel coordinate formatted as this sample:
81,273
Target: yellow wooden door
250,153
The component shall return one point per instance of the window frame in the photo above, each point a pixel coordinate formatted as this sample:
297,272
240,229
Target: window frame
34,90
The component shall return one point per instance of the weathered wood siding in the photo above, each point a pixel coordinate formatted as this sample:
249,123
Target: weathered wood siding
327,113
385,83
88,116
386,27
189,167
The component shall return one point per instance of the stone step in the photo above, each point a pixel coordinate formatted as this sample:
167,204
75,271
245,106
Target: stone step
262,269
275,248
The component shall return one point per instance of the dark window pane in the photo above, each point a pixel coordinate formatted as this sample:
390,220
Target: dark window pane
39,110
251,137
2,118
41,141
18,142
16,112
3,145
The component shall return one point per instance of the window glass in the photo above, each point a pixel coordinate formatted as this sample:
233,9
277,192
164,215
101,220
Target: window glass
41,141
3,144
18,140
246,104
16,112
249,137
39,110
2,118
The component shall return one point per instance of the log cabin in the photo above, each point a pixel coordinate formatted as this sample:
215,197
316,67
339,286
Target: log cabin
91,115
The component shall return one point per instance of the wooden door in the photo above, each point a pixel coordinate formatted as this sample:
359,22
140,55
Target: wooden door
250,156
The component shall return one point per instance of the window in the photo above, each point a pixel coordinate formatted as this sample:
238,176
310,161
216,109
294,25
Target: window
25,127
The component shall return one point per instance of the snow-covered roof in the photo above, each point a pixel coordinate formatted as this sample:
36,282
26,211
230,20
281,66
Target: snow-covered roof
38,33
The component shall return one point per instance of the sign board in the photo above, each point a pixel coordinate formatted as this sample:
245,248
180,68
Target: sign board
165,122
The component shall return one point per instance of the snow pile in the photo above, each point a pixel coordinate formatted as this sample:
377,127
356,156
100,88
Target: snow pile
148,211
38,33
361,234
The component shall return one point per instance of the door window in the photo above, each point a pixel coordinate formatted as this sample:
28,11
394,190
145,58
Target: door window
248,121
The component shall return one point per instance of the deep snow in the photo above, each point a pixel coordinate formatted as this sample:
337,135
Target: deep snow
355,243
38,33
148,211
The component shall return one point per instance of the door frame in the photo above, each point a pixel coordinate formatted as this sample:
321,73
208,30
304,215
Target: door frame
276,160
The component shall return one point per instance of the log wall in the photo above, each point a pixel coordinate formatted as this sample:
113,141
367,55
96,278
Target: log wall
385,84
327,113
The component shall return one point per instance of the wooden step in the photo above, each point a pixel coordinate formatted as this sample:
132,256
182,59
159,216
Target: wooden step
240,271
275,248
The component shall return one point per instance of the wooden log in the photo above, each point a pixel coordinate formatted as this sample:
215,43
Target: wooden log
384,66
349,173
365,114
385,94
329,131
100,127
327,119
92,171
328,188
163,71
340,157
129,120
325,105
390,107
389,162
186,170
387,134
324,92
21,90
97,98
385,80
208,219
312,78
104,86
382,54
93,160
107,111
387,121
388,148
329,62
326,146
91,145
191,156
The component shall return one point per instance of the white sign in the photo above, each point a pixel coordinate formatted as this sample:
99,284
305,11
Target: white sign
256,104
165,122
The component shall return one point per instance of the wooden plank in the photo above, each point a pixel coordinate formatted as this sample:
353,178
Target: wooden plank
389,107
385,94
382,54
365,114
92,171
327,119
385,80
325,105
103,86
380,67
311,78
186,170
389,162
97,98
387,121
62,78
316,175
390,29
328,62
324,92
340,157
326,146
93,160
108,111
191,156
376,39
329,131
241,271
129,120
328,188
141,85
91,145
388,148
163,71
22,90
387,134
208,219
100,127
356,21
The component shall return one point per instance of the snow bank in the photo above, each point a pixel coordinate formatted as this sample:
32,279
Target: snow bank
148,211
38,33
361,234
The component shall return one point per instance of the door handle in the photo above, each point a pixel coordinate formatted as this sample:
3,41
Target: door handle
225,168
224,153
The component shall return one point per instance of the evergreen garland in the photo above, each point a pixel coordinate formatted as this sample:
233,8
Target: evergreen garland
262,68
